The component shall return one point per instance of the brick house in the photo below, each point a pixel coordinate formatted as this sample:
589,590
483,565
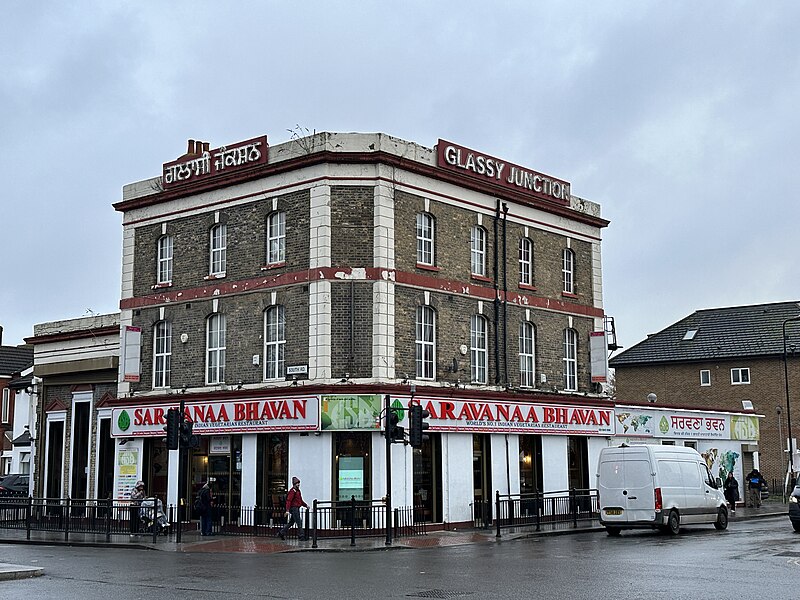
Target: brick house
285,295
13,361
727,359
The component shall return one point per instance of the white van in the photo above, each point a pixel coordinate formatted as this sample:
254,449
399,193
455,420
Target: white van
660,487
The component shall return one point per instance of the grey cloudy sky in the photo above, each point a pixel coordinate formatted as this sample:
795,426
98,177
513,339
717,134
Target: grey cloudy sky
680,118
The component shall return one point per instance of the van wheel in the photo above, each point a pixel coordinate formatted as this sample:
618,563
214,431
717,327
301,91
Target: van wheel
613,531
673,523
722,519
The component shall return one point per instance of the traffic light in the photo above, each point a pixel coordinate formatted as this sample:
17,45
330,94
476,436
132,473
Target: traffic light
418,425
394,432
186,433
173,428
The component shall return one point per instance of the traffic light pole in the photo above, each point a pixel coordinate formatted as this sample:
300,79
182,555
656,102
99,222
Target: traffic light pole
388,436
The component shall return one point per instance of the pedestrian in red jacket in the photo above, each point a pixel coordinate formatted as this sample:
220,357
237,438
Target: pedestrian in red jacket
294,500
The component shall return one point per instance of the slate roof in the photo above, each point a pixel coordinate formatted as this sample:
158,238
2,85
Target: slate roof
15,359
721,333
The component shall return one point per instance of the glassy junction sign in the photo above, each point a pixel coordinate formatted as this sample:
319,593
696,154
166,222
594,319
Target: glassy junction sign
474,164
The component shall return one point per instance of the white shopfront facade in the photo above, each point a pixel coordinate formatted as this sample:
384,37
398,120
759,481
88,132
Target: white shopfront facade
334,444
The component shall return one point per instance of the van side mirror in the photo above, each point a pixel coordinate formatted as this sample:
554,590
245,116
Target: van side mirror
718,481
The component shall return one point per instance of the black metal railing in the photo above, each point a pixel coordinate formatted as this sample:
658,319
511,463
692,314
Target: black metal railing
108,517
538,508
103,516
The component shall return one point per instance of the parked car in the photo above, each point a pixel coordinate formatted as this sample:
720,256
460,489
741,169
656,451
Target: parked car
14,484
794,508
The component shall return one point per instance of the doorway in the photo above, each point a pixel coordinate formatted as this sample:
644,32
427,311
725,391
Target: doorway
80,449
55,458
531,479
482,479
578,462
105,460
428,480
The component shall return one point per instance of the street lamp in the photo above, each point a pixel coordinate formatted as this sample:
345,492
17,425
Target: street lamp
790,468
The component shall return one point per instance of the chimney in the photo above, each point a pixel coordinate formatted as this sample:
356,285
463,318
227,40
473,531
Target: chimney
195,148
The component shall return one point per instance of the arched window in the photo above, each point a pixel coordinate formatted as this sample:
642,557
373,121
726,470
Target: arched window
526,261
425,337
425,239
218,239
570,360
215,349
162,353
527,356
568,271
478,342
276,238
274,342
477,244
164,274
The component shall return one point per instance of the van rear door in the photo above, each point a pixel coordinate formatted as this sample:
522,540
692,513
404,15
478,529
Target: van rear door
640,489
625,485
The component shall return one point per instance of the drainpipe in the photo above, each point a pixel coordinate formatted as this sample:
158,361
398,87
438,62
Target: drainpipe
505,295
496,297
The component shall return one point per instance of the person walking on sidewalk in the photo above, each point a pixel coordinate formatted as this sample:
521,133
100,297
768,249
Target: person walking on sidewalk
205,500
754,481
137,495
294,500
731,491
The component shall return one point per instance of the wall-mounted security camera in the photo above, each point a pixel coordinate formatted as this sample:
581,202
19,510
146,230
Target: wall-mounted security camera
651,398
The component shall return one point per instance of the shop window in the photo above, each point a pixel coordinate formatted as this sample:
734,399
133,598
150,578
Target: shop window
215,349
164,275
527,359
705,377
274,342
425,335
525,261
276,238
352,468
425,239
478,340
740,376
219,249
478,251
570,360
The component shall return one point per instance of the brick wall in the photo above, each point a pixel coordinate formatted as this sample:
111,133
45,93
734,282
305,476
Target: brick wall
244,320
246,243
352,226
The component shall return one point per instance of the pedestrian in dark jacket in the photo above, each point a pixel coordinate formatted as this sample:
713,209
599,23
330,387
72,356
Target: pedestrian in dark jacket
294,500
731,488
205,500
754,481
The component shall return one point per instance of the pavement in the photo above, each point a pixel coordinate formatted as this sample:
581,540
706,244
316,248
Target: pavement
193,542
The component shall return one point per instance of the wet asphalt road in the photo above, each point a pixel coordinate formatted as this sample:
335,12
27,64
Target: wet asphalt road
753,559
